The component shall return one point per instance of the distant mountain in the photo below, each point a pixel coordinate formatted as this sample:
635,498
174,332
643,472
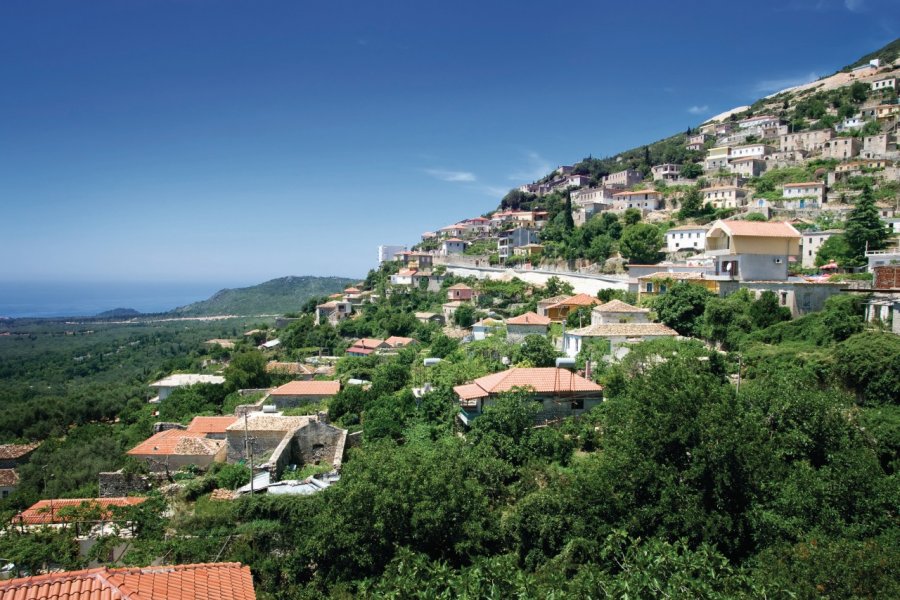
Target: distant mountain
286,294
119,313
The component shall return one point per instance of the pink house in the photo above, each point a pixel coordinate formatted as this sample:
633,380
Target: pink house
460,292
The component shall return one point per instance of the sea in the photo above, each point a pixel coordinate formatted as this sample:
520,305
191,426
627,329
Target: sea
82,299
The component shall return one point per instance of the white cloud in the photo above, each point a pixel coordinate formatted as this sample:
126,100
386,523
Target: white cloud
537,167
699,110
452,176
855,5
768,86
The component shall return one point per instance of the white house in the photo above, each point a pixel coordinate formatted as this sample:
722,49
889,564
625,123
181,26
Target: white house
645,200
810,242
686,237
751,151
618,335
452,246
164,387
806,189
616,311
889,83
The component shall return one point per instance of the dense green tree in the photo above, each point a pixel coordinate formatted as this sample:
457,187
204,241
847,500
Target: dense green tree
765,311
869,364
836,249
691,204
557,287
691,170
537,351
246,370
443,346
682,307
464,316
864,229
569,220
631,216
640,243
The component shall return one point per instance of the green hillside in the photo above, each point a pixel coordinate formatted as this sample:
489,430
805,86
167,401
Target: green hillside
285,294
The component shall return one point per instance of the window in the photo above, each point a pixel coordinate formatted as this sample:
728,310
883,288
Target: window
662,289
649,288
784,298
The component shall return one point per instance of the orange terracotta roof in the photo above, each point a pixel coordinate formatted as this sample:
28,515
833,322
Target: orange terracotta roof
674,275
44,512
529,318
308,388
13,451
805,184
778,229
211,424
453,239
222,581
371,343
459,286
352,290
8,478
578,300
540,380
177,442
617,306
396,341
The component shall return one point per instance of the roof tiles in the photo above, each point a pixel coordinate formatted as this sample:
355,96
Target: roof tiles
308,388
222,581
539,379
45,512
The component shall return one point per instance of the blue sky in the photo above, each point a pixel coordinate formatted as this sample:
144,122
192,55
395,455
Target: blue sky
233,142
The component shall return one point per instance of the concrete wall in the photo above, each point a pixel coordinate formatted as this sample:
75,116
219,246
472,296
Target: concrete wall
582,283
175,463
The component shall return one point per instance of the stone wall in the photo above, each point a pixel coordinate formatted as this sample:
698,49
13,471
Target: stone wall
116,484
319,443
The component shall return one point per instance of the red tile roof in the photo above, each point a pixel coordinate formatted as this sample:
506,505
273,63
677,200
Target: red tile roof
13,451
222,581
529,318
578,300
371,343
459,286
44,512
395,341
177,442
211,424
308,388
541,380
778,229
359,350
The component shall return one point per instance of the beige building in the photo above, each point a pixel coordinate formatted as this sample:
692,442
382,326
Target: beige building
888,83
616,311
750,251
841,148
879,146
666,172
728,196
811,141
717,158
748,167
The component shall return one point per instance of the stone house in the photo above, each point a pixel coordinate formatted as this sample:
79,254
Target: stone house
814,190
452,246
9,482
725,196
748,167
666,172
879,146
335,311
13,455
460,292
559,311
560,392
526,324
841,148
623,179
811,141
616,311
644,200
175,449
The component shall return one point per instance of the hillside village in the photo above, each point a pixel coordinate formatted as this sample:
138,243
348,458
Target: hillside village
764,241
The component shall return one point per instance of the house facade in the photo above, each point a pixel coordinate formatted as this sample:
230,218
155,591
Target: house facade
748,250
726,196
811,141
686,237
526,324
814,190
559,392
618,337
623,179
643,200
810,242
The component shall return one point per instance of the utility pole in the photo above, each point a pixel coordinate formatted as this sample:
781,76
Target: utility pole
248,448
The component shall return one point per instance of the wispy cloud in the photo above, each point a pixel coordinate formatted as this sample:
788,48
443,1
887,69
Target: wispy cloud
452,176
493,190
855,5
699,110
535,168
768,86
